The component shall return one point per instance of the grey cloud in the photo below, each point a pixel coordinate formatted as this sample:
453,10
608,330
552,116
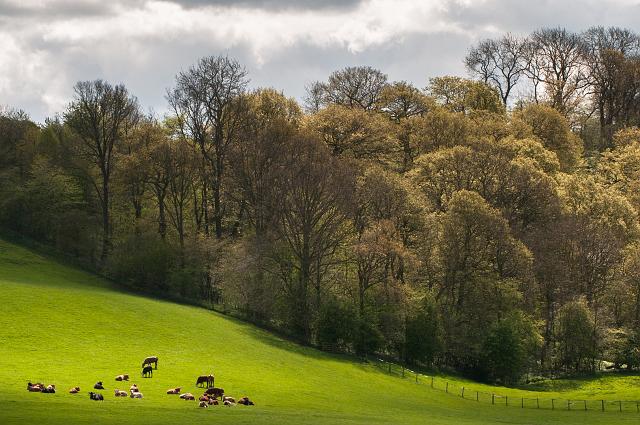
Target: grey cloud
274,5
59,8
523,16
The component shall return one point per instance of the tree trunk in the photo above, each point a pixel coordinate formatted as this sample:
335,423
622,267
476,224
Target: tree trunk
106,222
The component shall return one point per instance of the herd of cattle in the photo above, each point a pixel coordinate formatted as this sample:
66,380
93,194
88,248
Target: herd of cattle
208,398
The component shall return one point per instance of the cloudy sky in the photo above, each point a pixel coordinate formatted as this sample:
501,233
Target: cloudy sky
48,45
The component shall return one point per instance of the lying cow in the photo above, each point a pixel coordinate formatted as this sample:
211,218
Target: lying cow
187,396
174,390
229,399
213,401
96,396
245,401
120,393
74,390
50,389
123,377
135,394
98,386
134,388
35,387
203,404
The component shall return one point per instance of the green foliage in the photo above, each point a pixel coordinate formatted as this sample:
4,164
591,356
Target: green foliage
336,326
510,347
576,335
143,261
462,95
423,340
552,128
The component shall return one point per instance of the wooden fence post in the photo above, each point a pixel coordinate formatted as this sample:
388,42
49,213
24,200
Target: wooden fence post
446,389
602,402
568,404
585,405
432,382
462,392
620,404
477,396
493,399
506,400
538,402
552,405
416,377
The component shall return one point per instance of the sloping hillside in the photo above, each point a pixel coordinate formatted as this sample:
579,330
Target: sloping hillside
61,325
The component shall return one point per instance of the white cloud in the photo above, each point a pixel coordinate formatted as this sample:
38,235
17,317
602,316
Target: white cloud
49,44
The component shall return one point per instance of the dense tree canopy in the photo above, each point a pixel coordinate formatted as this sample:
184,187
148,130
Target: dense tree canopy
488,225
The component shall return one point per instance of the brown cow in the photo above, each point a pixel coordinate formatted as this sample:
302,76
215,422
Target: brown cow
229,399
120,393
149,360
123,377
187,396
34,387
215,392
74,390
245,400
174,390
213,401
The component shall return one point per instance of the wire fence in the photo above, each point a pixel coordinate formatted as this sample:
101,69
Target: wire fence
521,402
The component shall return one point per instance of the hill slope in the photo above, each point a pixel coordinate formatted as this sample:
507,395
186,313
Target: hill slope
61,325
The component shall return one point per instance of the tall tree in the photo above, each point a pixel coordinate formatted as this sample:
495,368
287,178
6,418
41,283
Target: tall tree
499,62
99,115
558,56
316,193
208,104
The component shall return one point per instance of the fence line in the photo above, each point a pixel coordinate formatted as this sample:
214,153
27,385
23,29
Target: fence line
521,402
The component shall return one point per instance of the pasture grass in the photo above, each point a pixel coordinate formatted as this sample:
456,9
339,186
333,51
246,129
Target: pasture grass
65,326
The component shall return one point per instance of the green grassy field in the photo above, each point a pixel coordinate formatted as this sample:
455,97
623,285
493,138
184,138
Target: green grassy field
64,326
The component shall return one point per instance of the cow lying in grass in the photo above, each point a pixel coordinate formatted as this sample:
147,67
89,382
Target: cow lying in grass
98,386
203,404
120,393
134,388
35,387
208,399
96,396
187,396
174,390
50,389
74,390
136,394
123,377
245,400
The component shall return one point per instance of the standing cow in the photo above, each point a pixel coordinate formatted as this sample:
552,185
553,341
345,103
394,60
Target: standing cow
147,372
151,360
